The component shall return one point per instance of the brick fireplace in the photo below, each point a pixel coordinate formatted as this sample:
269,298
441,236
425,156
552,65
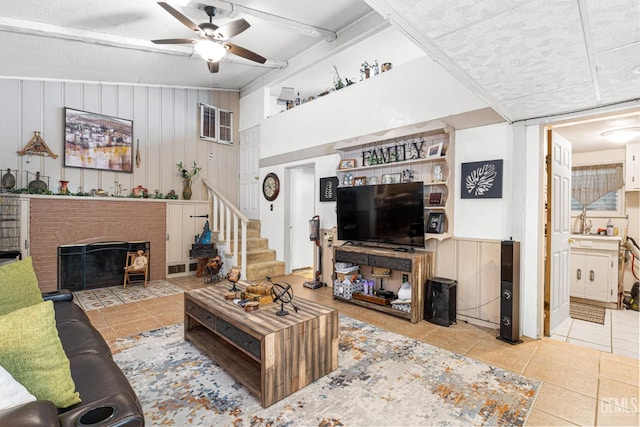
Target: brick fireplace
58,220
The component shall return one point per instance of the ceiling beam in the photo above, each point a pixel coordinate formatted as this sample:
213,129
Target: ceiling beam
298,27
41,29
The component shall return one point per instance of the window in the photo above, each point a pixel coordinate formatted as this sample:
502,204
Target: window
216,124
599,187
226,126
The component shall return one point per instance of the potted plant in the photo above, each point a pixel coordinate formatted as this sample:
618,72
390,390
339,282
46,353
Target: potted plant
187,175
337,81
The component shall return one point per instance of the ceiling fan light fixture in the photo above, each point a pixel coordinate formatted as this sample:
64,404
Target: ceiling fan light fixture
622,135
209,50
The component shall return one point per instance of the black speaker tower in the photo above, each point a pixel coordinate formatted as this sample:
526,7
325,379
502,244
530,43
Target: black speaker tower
510,292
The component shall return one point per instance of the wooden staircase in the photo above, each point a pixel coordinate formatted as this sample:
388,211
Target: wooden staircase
261,261
240,236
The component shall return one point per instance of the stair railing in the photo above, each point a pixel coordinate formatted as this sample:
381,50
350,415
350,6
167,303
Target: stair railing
226,220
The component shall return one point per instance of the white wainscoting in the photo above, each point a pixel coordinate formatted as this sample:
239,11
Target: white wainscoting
475,264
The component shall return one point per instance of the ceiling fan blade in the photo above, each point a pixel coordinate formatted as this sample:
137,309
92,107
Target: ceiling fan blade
179,16
174,41
231,29
245,53
214,67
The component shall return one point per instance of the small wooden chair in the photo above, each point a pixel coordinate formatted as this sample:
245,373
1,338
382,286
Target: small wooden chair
136,268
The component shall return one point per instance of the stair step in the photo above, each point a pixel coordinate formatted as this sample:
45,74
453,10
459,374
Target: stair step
253,244
261,255
260,270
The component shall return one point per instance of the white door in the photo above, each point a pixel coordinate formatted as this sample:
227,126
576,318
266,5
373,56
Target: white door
250,172
301,208
560,229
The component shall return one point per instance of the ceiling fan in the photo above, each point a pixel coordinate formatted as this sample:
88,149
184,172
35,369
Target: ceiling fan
212,43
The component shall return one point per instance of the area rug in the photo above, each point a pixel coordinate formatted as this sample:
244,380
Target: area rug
93,299
590,313
383,379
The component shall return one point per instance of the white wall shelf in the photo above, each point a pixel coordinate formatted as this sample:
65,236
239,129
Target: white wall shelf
422,169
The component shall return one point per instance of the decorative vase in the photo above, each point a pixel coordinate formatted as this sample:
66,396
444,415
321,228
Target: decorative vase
63,187
186,192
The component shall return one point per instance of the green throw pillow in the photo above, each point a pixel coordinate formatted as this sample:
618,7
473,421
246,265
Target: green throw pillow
18,286
31,351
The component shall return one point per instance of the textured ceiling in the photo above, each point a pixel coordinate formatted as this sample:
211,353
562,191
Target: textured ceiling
527,59
530,59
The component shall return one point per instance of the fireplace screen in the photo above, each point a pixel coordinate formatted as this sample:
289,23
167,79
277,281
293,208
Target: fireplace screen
94,265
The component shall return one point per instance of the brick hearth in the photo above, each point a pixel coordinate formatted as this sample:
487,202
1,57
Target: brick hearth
57,220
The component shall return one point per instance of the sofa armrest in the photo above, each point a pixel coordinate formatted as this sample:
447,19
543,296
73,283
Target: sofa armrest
120,409
59,295
40,413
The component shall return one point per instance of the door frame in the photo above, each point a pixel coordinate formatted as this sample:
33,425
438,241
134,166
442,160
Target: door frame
309,200
544,251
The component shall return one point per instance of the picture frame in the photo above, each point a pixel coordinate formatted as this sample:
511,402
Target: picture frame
481,180
435,223
347,164
435,199
359,180
391,178
96,141
434,150
328,188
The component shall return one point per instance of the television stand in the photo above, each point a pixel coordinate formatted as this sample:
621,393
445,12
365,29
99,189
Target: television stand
419,266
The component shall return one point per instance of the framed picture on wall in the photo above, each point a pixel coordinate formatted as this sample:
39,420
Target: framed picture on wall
328,188
96,141
481,180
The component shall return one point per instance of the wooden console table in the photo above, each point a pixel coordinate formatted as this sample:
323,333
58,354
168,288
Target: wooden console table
418,266
272,356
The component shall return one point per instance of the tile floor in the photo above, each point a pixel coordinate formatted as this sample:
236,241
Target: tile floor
581,386
619,334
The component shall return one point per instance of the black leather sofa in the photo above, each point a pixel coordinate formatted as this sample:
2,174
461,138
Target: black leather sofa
107,396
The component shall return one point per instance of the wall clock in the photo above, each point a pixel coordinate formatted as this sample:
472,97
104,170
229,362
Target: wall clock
271,186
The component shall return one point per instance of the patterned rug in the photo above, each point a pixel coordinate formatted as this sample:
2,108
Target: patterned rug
588,312
383,379
93,299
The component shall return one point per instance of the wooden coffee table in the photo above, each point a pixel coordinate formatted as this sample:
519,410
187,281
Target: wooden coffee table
272,356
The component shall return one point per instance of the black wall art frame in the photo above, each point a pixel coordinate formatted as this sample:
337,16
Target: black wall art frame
481,180
328,189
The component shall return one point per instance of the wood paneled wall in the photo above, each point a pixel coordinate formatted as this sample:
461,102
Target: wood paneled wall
475,264
165,120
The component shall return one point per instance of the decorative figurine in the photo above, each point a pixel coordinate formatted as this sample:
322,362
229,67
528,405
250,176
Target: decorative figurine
233,276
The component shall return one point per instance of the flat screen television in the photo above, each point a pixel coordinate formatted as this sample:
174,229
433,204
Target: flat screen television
390,214
96,141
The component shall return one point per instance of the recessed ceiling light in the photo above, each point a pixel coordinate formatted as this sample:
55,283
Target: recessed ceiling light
622,135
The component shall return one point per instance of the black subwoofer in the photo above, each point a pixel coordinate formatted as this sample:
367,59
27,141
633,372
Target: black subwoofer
510,292
440,301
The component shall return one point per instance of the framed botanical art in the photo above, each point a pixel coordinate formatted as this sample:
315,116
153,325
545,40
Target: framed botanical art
481,180
328,188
